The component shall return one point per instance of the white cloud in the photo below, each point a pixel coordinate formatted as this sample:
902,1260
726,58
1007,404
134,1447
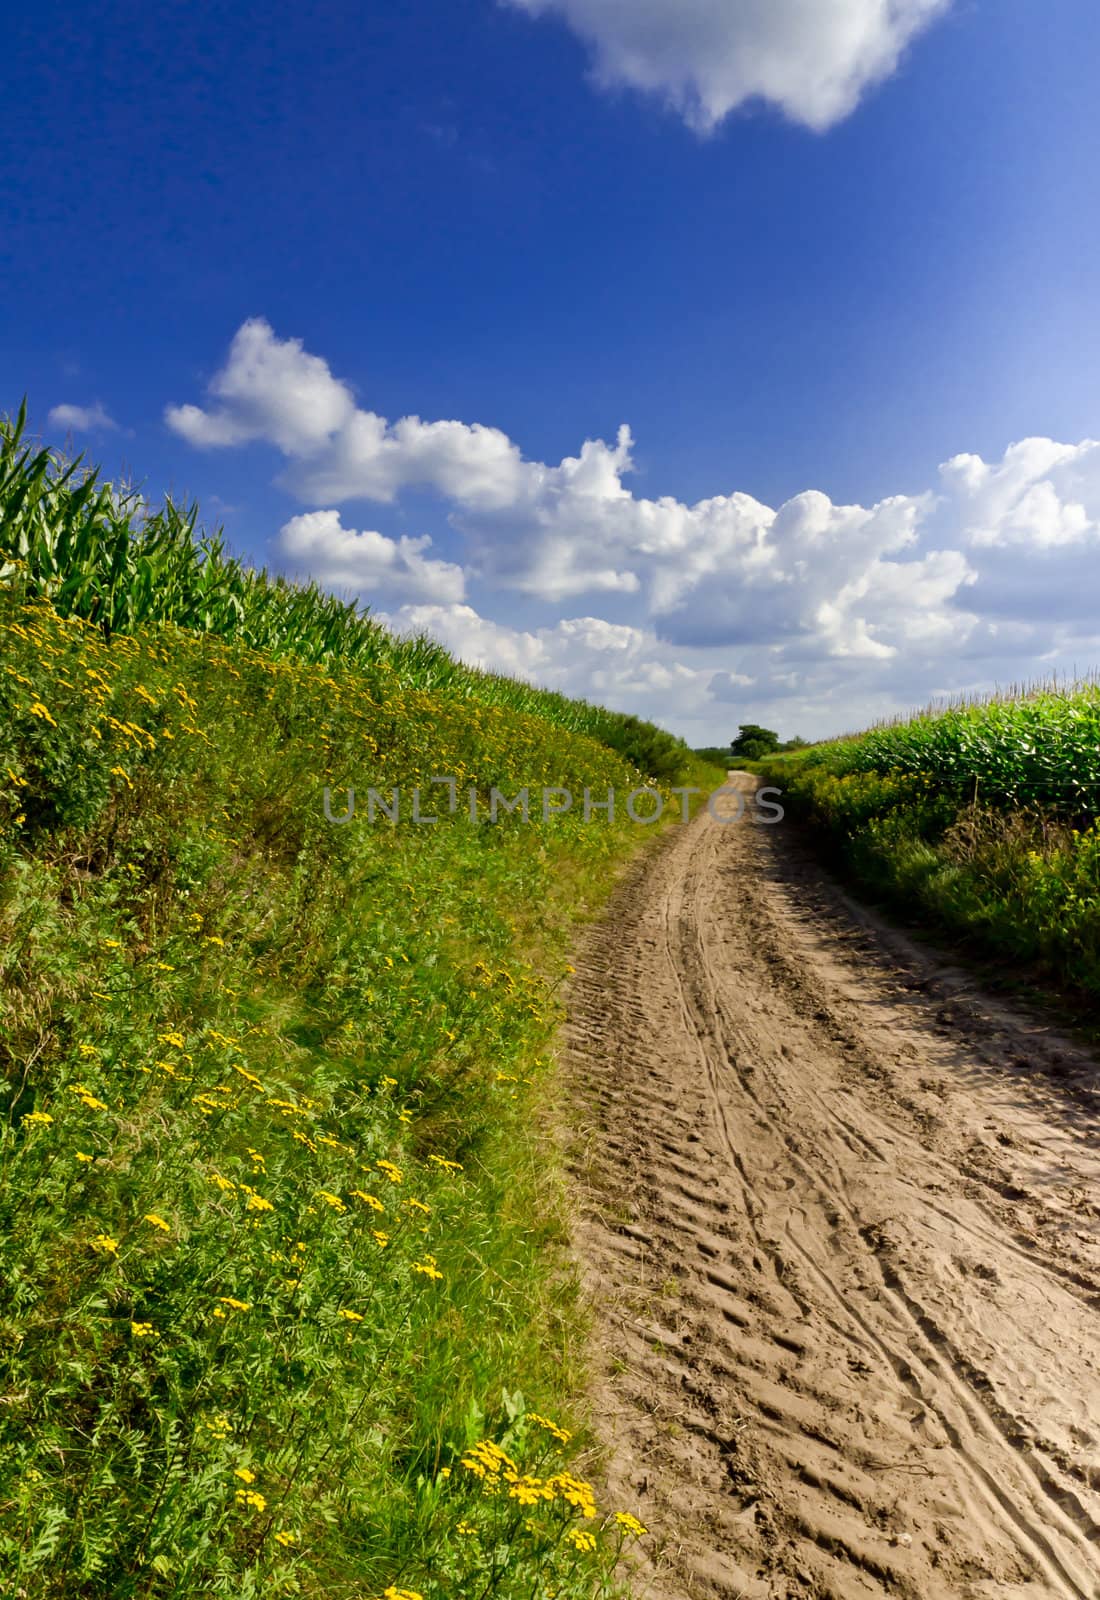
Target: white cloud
83,419
615,664
805,604
1040,495
269,389
318,544
813,59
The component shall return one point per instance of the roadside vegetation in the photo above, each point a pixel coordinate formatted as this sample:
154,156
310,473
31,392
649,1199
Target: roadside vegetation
983,820
285,1302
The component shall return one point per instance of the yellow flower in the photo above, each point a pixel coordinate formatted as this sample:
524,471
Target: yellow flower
120,772
237,1305
38,710
465,1527
427,1267
284,1537
105,1244
86,1097
582,1540
371,1200
332,1200
38,1119
142,1330
82,1156
350,1316
249,1498
418,1205
158,1222
245,1474
561,1434
392,1173
629,1524
172,1038
382,1238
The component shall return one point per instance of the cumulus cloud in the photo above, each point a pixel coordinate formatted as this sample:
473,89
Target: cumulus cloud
813,59
619,665
268,389
1040,495
317,543
83,419
801,602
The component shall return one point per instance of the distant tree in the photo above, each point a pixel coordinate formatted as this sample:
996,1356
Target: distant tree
753,742
795,744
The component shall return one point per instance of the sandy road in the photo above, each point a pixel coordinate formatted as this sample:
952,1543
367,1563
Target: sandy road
841,1231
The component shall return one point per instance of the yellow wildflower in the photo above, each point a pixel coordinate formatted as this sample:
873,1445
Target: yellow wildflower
582,1540
371,1200
245,1474
427,1267
249,1498
38,1119
629,1524
142,1330
561,1434
158,1222
350,1316
237,1305
38,710
105,1244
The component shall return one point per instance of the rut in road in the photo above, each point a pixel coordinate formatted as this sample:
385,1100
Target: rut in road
841,1236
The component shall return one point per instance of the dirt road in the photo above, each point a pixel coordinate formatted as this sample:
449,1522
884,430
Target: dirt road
842,1236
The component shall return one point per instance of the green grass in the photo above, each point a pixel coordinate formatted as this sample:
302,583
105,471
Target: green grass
282,1240
981,821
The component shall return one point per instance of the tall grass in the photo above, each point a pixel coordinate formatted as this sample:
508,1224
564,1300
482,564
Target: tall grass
98,552
982,819
285,1303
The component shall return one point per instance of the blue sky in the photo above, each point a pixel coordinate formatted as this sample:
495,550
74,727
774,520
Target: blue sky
808,251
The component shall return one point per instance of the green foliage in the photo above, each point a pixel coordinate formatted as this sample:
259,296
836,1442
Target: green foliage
281,1245
1042,750
753,742
983,820
99,553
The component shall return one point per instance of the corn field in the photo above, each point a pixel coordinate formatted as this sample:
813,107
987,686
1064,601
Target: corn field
97,551
1041,752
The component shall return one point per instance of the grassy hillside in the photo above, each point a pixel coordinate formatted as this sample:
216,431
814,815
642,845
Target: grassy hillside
983,819
285,1306
98,552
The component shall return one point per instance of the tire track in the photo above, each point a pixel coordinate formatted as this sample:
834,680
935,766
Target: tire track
837,1365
